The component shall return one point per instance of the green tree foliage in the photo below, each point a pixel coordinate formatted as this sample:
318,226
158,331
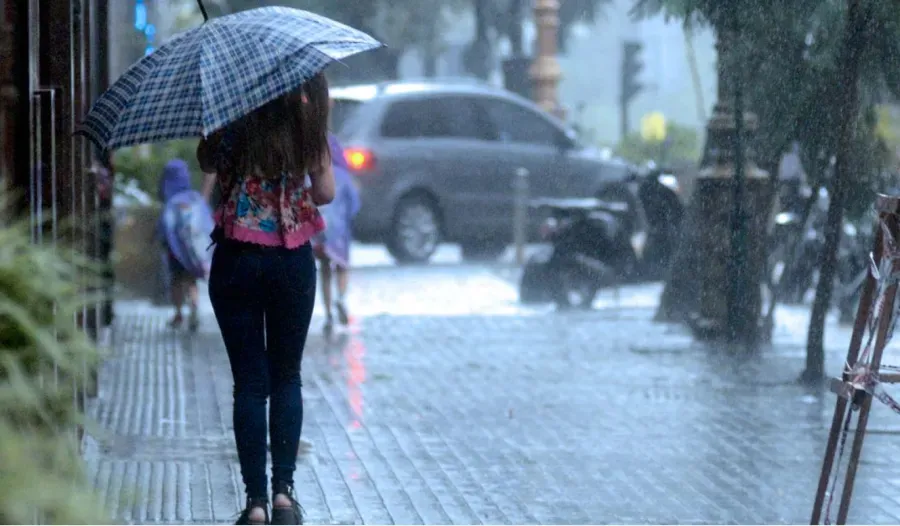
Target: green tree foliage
42,474
786,59
813,73
572,12
682,144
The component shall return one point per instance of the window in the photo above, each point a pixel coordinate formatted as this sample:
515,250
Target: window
519,124
406,119
444,117
342,111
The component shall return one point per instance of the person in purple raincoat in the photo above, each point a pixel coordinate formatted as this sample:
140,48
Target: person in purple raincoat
176,178
332,246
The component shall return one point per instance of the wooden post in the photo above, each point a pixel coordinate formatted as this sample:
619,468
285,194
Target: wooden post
859,379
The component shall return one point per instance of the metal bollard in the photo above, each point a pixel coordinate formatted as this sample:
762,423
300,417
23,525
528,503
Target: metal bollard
520,213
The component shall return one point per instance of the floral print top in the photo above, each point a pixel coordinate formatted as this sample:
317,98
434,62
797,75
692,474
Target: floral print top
266,211
270,212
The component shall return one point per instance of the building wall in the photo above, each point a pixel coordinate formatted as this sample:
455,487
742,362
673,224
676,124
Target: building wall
57,69
7,96
129,44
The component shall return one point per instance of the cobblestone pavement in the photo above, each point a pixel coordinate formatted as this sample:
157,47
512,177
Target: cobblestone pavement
447,403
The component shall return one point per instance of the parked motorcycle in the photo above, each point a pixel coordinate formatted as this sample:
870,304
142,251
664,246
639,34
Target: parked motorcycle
659,195
796,250
857,244
795,247
588,249
592,243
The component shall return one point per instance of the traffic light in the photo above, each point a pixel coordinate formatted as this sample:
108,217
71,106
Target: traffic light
631,69
631,86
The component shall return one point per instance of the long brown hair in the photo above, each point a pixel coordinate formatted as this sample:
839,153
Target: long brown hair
286,136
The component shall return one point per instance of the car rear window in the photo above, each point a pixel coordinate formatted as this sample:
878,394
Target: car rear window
341,112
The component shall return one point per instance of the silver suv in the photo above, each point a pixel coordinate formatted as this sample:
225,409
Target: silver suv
437,162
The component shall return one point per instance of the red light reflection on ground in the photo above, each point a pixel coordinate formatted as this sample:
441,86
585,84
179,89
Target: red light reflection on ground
354,354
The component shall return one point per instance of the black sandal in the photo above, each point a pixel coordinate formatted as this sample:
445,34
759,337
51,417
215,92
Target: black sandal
292,514
251,505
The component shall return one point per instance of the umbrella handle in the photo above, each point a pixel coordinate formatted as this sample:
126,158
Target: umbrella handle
203,10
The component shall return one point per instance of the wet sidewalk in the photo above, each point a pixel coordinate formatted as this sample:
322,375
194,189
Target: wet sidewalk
491,415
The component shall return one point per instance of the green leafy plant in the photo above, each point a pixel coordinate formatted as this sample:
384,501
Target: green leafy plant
682,144
42,354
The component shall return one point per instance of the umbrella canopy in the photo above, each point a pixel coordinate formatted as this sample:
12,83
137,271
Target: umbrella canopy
212,75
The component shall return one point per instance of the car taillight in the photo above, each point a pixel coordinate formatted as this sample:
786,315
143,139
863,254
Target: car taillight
359,159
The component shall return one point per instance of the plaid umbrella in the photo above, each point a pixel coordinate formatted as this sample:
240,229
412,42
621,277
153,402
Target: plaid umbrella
214,74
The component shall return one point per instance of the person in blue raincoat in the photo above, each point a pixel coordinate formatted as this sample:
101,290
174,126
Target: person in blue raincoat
176,178
332,246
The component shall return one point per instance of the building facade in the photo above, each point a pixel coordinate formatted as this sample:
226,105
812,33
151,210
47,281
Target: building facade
53,63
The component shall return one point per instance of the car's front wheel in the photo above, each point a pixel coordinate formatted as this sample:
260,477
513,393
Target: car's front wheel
416,230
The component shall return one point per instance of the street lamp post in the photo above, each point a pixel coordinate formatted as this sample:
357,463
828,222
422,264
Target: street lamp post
545,70
715,275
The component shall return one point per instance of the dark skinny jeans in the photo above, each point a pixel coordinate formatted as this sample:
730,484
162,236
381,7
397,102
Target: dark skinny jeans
263,299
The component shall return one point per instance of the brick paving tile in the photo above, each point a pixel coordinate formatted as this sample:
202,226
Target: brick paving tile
597,417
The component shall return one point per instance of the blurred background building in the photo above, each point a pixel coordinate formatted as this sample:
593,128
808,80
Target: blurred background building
137,26
590,86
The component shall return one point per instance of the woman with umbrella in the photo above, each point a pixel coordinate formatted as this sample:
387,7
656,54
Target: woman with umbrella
251,84
263,277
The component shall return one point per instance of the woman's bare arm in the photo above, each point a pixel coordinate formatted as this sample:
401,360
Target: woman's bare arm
209,182
322,190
